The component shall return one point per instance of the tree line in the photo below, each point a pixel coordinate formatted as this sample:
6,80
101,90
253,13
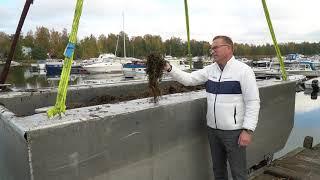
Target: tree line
51,43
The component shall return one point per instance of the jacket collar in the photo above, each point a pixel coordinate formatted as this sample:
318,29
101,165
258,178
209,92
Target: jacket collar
228,63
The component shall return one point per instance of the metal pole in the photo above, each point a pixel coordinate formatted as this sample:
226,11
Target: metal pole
115,53
188,31
124,38
6,68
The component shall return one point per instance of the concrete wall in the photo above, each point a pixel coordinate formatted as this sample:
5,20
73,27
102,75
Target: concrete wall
276,120
14,157
25,103
135,139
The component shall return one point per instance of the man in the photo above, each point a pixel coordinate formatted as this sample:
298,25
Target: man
233,106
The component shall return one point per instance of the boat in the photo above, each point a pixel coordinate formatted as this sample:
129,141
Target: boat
134,69
245,60
106,66
34,67
54,68
105,63
261,67
297,77
40,65
306,68
108,63
294,57
14,63
177,62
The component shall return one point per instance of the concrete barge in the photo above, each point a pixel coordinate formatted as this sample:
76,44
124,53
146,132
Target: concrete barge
128,140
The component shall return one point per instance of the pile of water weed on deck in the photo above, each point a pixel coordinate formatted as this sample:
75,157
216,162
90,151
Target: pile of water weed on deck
155,65
173,88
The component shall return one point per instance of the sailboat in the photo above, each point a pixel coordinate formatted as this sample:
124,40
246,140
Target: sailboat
132,67
107,63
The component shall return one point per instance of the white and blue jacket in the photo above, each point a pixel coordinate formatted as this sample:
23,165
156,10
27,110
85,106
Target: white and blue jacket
232,94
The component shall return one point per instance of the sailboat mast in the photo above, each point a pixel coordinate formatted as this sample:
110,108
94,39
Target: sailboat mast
124,37
115,53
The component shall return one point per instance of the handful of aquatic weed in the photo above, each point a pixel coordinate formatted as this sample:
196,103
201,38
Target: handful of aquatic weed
155,65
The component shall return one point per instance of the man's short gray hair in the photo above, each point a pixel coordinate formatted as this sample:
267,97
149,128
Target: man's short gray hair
226,39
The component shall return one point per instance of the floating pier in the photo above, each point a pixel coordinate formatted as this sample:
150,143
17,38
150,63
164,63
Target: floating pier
301,163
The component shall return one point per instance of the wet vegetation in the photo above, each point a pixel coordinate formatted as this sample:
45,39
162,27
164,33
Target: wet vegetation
154,70
173,88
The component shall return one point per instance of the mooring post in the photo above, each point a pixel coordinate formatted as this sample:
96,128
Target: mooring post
308,141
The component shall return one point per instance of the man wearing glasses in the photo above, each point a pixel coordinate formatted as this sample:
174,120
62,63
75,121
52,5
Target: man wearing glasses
233,105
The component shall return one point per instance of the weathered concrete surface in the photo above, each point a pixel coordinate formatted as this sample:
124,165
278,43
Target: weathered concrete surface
135,139
14,157
25,103
276,120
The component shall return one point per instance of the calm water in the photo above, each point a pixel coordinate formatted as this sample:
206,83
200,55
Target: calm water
307,111
306,123
20,77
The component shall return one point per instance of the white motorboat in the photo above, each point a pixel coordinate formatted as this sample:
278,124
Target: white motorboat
14,63
40,65
261,67
103,67
179,63
134,69
105,63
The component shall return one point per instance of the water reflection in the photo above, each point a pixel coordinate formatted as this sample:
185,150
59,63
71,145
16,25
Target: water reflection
306,123
304,103
21,77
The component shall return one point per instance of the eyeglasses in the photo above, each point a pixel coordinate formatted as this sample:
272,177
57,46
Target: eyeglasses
219,46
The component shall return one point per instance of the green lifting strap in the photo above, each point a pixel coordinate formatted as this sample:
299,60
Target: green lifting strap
60,106
266,12
188,31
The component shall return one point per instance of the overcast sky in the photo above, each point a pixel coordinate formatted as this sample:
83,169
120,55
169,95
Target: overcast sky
243,20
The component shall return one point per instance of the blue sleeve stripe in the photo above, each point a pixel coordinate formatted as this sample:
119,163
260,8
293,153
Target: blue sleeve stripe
226,87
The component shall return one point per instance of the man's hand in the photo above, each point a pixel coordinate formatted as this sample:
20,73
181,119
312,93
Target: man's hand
245,138
167,67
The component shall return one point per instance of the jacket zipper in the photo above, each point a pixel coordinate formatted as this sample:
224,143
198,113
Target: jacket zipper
234,115
215,100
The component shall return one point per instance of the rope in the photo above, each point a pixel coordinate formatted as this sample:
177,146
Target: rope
60,106
188,31
266,12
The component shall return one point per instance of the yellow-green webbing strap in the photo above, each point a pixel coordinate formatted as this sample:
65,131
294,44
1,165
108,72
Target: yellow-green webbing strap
60,106
266,12
188,31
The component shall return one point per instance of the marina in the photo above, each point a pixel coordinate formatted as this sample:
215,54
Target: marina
299,122
77,105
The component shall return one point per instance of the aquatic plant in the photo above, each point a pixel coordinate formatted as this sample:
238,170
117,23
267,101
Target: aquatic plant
155,64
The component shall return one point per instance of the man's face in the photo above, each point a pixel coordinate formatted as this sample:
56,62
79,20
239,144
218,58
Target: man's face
220,50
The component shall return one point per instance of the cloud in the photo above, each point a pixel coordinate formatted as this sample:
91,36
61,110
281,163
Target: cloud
244,20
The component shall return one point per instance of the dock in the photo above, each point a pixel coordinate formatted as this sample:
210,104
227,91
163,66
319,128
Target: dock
299,164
